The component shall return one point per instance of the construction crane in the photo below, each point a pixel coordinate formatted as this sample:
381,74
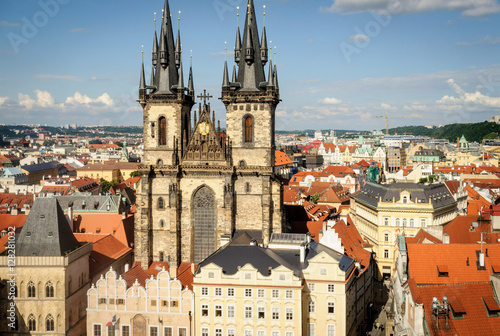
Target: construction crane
387,120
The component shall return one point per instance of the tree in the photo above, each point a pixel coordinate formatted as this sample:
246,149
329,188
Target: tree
106,185
432,178
315,198
135,173
423,180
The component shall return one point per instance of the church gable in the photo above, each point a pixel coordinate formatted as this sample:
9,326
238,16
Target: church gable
207,145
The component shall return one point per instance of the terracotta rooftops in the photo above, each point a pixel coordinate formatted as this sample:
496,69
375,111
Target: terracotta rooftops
281,159
461,260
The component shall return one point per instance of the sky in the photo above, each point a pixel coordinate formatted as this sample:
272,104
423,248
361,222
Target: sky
341,63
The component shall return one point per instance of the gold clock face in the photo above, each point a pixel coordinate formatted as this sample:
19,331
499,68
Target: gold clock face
203,128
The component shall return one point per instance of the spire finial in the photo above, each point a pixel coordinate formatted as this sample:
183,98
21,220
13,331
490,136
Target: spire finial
179,21
237,16
155,20
225,49
264,22
191,59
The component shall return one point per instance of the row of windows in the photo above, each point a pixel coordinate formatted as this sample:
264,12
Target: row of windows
247,332
49,323
49,290
405,221
125,331
311,329
312,287
162,130
311,307
261,293
248,312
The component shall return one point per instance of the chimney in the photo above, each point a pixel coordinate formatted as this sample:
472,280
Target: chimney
173,271
126,268
302,253
193,268
70,215
124,215
253,242
446,238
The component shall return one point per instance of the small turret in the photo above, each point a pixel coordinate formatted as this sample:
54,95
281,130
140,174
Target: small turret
180,85
276,77
235,75
163,51
191,81
155,49
270,76
249,51
178,50
237,48
142,84
225,80
152,82
263,47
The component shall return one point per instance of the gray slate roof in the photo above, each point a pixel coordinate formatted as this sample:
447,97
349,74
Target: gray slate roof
237,253
39,167
46,231
438,193
90,202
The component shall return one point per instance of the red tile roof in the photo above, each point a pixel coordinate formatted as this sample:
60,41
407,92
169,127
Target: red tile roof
136,273
353,243
422,237
470,298
460,232
337,171
122,229
281,159
456,256
7,220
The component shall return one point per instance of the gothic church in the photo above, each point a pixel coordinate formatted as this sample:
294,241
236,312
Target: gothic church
200,185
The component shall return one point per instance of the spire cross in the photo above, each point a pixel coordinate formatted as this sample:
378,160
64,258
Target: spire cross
205,96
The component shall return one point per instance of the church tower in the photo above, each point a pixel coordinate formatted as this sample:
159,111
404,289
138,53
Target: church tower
200,185
251,101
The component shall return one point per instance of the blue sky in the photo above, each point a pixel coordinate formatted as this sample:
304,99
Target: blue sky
340,62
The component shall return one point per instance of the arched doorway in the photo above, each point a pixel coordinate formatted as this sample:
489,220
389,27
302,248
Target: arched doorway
204,223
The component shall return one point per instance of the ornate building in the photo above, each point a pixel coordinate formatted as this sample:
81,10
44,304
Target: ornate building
200,185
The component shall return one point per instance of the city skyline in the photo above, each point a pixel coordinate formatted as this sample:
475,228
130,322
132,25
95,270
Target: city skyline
344,63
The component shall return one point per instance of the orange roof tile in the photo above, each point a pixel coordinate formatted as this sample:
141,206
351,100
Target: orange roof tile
122,229
281,159
338,171
136,273
7,220
353,243
460,232
472,299
422,237
456,256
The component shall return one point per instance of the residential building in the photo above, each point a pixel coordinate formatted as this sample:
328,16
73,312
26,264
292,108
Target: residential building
396,158
37,172
296,286
382,212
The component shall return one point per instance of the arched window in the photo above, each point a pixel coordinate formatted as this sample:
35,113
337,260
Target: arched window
31,289
31,323
204,223
162,130
247,187
398,222
405,199
162,223
161,203
412,222
49,290
49,323
242,163
248,129
405,222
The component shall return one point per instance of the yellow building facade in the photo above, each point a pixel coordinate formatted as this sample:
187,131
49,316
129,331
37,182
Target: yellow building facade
382,212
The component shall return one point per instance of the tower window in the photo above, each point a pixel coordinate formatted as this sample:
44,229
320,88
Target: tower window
162,131
247,188
32,323
49,290
161,203
248,129
31,290
49,323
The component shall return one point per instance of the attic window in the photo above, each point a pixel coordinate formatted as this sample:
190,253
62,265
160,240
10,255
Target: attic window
51,234
28,234
491,305
42,216
442,271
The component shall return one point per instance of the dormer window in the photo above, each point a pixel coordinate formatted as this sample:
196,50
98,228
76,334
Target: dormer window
491,305
405,199
442,271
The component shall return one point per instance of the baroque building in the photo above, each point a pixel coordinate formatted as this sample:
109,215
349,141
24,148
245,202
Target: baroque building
200,185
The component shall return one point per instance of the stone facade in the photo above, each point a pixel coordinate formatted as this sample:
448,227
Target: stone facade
200,185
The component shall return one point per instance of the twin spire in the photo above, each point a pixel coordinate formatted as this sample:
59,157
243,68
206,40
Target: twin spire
251,55
167,71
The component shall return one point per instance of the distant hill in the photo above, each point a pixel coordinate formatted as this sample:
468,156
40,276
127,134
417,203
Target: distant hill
472,132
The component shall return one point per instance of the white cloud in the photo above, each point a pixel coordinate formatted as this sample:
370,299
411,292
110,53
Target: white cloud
467,100
359,38
43,99
3,100
475,8
386,106
330,101
487,39
78,98
5,23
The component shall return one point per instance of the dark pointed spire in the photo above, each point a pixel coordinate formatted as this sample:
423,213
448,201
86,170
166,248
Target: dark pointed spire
235,76
152,83
178,48
191,80
270,76
155,49
166,75
225,80
263,47
251,73
237,48
142,84
180,84
276,85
